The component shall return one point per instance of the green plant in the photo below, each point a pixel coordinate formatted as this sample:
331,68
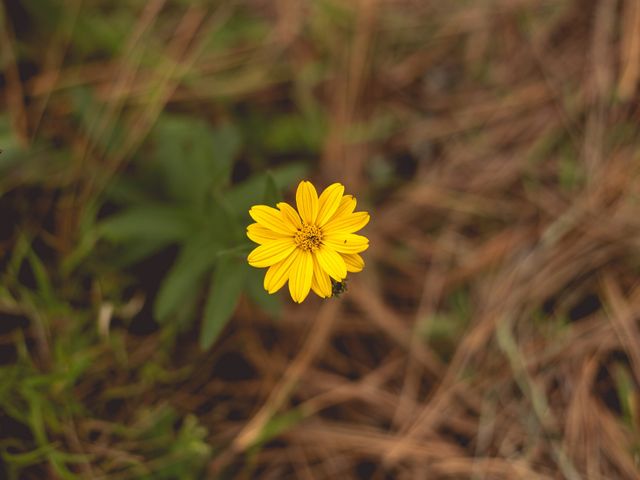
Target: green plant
188,201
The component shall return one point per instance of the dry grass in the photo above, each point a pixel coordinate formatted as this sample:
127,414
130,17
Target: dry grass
524,201
494,333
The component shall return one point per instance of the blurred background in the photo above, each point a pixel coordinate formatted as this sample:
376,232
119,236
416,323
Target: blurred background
493,333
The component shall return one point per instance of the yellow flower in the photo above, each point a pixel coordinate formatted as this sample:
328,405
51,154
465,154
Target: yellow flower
309,245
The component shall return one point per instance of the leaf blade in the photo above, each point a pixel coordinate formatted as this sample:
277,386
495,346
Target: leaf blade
161,223
227,285
195,259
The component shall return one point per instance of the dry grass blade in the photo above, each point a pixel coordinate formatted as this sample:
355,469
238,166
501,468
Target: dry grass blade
316,338
623,318
14,91
493,333
630,50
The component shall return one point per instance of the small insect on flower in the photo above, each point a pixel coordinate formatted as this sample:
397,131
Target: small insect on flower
338,288
311,247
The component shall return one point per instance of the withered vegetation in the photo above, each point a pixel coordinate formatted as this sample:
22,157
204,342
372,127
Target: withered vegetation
494,331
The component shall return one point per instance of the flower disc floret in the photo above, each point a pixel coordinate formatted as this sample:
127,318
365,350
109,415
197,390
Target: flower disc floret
308,238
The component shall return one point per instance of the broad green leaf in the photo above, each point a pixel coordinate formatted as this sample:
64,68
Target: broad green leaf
226,143
195,158
134,251
284,133
196,257
272,193
159,223
177,141
184,316
250,192
222,222
227,285
270,304
129,190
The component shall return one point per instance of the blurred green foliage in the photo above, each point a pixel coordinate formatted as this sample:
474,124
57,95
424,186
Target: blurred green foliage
142,132
182,195
101,185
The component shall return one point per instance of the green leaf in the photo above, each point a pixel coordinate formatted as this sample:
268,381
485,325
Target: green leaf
10,145
107,135
227,285
159,223
272,193
184,316
270,304
89,34
277,425
287,132
135,189
250,192
195,259
626,394
226,143
28,458
222,222
19,252
135,251
194,157
41,275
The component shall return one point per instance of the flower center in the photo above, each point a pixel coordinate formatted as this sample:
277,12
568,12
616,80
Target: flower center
309,237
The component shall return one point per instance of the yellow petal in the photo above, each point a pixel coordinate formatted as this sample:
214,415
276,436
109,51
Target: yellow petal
346,242
347,206
260,234
270,217
278,274
289,215
328,203
271,252
300,276
331,262
307,202
354,262
346,223
321,284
